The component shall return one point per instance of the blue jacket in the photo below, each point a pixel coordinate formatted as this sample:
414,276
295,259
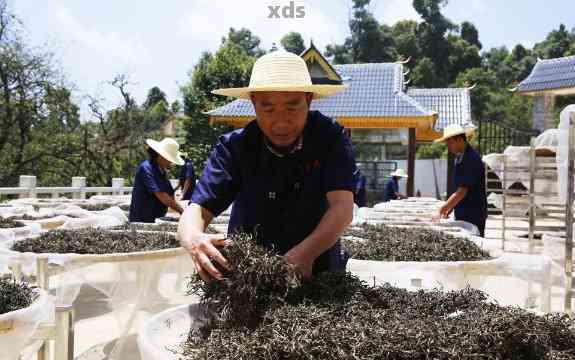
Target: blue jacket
279,199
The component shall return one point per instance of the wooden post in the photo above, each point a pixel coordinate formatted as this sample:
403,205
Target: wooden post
411,163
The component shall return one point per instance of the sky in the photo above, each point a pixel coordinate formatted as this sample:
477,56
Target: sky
157,43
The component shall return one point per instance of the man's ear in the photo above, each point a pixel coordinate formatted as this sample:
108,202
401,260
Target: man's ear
309,98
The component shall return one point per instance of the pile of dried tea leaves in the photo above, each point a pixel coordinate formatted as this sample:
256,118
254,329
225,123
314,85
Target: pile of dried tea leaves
260,311
259,280
33,218
15,295
170,219
96,207
168,227
391,243
96,241
7,223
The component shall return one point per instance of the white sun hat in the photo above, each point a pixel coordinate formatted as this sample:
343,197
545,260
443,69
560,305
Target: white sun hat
168,148
455,130
399,173
281,71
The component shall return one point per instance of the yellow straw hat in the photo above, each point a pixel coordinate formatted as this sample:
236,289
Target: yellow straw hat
399,173
168,148
455,130
281,71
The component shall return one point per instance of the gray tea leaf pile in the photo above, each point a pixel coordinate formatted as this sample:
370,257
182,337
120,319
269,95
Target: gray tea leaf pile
261,316
15,295
259,280
168,227
96,241
95,207
7,223
170,219
390,243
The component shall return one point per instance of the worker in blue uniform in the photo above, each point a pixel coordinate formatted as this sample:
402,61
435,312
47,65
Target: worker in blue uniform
153,193
289,175
187,179
470,199
392,186
359,194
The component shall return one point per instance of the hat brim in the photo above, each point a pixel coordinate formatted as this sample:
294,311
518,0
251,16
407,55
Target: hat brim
468,133
319,91
155,145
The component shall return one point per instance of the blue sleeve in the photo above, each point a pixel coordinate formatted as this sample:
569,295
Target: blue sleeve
469,174
389,187
190,174
150,181
220,181
340,165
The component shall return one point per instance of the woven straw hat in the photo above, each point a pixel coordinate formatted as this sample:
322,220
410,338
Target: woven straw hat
454,130
281,71
168,148
399,173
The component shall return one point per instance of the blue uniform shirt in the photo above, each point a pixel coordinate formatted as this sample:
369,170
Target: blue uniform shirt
470,173
279,199
391,189
359,196
187,172
145,206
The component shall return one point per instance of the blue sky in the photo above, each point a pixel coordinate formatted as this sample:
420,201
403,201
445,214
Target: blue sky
158,42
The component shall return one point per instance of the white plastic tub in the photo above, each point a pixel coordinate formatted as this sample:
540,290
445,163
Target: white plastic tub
17,327
161,335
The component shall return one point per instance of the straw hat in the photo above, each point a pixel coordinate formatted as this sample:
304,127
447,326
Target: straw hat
281,71
454,130
168,148
399,173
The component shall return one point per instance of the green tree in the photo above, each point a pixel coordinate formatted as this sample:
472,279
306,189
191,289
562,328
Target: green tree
245,40
37,116
369,40
558,43
424,74
155,95
230,66
431,151
462,56
432,36
470,34
293,42
404,34
485,82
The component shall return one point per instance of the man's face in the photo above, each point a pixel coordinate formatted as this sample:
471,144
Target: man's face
282,115
163,162
455,145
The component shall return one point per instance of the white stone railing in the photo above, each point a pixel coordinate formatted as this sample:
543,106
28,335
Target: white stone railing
78,189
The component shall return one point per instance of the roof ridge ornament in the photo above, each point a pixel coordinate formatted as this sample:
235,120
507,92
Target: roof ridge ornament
402,62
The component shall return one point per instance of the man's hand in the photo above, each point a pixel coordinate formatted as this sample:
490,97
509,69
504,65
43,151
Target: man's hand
202,248
302,263
443,213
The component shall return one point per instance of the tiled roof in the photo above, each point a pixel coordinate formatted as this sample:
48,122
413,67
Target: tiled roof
452,105
375,90
550,74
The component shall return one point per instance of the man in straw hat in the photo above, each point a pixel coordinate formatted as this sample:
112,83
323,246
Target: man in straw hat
289,174
153,193
392,186
470,199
